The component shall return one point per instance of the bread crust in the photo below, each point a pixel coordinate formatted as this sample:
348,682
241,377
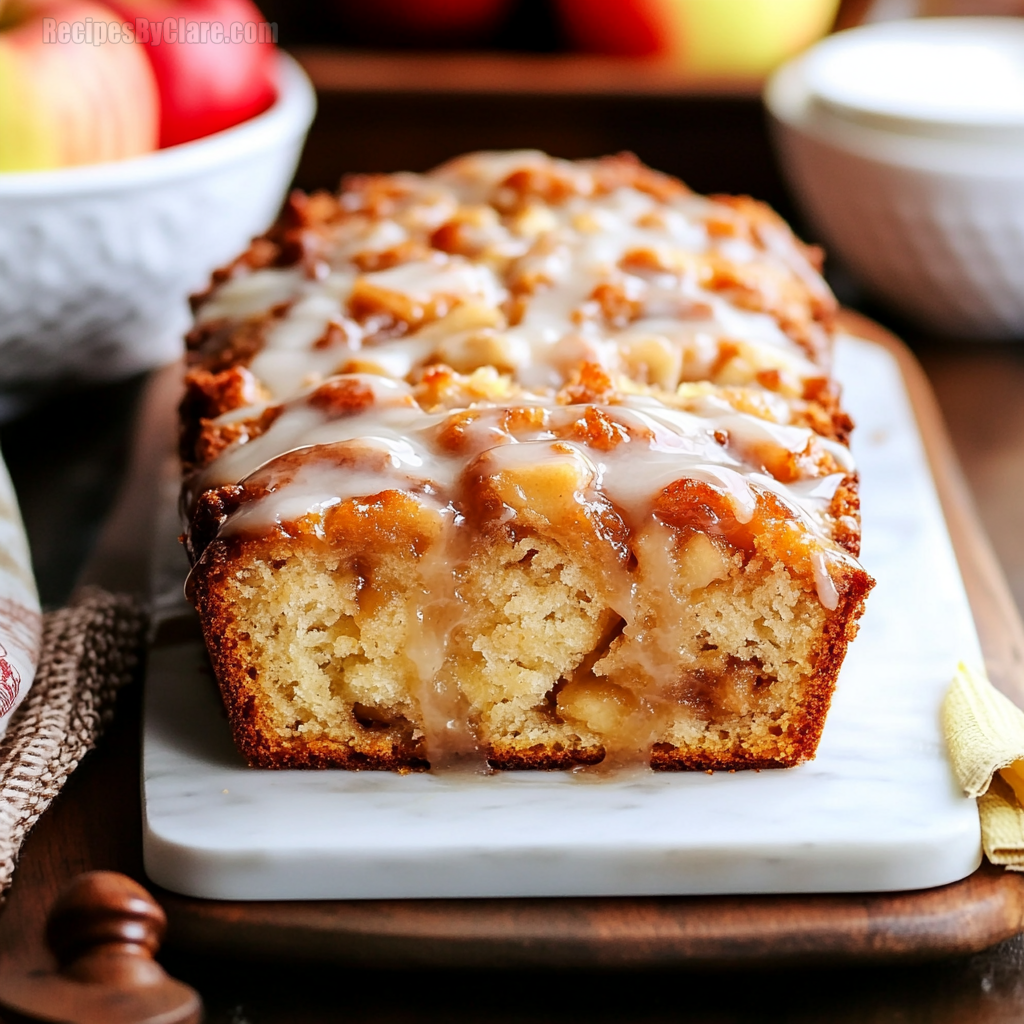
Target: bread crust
434,311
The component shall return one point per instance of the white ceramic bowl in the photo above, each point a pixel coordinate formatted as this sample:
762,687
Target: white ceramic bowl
904,143
97,262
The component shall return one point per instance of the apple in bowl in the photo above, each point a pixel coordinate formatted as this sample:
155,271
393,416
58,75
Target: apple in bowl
67,103
102,234
97,261
215,62
743,38
84,82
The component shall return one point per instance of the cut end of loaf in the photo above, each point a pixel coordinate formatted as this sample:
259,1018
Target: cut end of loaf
517,650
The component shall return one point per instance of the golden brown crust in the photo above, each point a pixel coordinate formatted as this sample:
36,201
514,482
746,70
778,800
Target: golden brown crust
845,512
208,395
221,344
292,240
508,758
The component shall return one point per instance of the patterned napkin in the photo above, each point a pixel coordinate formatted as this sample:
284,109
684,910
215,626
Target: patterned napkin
20,619
89,650
58,677
985,736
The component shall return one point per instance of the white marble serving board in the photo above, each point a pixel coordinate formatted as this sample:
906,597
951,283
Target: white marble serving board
877,810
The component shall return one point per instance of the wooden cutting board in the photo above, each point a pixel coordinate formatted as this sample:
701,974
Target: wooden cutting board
959,918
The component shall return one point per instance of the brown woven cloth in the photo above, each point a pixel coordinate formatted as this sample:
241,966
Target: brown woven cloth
89,650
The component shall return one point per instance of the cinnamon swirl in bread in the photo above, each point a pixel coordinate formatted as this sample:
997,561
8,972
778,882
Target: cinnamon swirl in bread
526,460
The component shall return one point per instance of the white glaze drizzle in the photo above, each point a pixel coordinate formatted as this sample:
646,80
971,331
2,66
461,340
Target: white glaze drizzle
539,264
573,245
391,443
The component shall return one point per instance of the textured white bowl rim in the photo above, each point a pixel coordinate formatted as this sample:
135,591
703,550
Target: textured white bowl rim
291,114
969,157
835,73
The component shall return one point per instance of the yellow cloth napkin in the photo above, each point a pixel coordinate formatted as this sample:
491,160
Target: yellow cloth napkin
985,736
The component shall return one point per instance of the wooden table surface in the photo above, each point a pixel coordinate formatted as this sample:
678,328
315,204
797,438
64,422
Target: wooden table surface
96,822
68,456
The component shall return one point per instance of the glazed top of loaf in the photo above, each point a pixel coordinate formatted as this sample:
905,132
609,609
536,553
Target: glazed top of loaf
621,457
529,264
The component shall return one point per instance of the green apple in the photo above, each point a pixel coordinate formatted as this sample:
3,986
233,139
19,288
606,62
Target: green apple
71,102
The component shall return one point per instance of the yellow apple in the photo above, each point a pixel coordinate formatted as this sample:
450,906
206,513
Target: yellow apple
713,37
71,102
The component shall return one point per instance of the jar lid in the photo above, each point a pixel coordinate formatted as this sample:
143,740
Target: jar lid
945,77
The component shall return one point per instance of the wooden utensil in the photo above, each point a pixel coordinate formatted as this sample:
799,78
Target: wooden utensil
103,931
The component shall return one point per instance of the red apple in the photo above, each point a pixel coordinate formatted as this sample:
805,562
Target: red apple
633,28
66,102
423,22
215,62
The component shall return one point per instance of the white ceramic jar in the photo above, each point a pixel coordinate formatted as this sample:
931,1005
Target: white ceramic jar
97,262
904,143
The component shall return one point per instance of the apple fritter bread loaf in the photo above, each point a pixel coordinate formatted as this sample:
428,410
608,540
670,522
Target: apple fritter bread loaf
522,460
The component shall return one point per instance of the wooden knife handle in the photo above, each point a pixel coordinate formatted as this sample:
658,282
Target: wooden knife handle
104,931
